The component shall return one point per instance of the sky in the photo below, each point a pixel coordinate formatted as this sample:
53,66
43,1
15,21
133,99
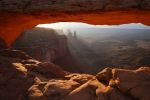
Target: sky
84,29
75,25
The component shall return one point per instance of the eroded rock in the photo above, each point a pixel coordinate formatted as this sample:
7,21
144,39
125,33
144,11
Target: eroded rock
18,72
134,83
53,89
24,78
80,78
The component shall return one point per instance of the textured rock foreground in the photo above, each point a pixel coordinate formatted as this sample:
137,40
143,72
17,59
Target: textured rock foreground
35,80
23,78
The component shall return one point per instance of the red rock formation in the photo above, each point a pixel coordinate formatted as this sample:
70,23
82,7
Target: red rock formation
12,24
23,78
134,83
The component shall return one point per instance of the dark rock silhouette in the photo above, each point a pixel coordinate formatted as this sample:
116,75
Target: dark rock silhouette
42,44
48,45
3,44
18,72
75,5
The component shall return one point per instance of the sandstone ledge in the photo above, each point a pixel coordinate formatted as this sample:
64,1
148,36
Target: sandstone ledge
23,78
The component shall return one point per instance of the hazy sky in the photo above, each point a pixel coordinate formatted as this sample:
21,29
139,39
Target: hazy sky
74,25
84,29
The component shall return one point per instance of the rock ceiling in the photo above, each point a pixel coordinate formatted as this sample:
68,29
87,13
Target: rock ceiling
19,15
12,24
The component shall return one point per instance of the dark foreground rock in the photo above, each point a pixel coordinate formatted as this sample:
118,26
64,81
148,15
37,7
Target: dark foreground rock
24,78
3,44
18,72
75,5
134,83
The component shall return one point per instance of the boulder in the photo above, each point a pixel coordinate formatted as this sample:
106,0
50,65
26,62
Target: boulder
53,89
14,78
24,78
80,78
105,75
48,70
110,93
86,91
135,83
18,72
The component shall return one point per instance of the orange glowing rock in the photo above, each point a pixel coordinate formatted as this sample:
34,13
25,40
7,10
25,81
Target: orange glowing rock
12,24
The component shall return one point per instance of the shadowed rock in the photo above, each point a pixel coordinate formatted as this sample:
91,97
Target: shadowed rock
43,44
75,5
3,44
18,72
24,78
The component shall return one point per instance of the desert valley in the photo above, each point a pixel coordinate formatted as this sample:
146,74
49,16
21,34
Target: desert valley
74,50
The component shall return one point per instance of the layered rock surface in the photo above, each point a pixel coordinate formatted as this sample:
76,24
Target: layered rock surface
23,78
18,71
75,5
10,29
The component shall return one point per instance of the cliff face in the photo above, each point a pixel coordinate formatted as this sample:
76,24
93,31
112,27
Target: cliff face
75,5
23,78
42,44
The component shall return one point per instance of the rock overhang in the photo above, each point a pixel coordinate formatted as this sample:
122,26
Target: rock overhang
13,23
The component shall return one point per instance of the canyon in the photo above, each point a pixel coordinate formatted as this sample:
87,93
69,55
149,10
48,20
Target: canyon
84,48
47,45
25,74
24,78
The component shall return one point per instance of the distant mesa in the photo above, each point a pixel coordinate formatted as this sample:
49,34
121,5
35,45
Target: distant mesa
42,44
